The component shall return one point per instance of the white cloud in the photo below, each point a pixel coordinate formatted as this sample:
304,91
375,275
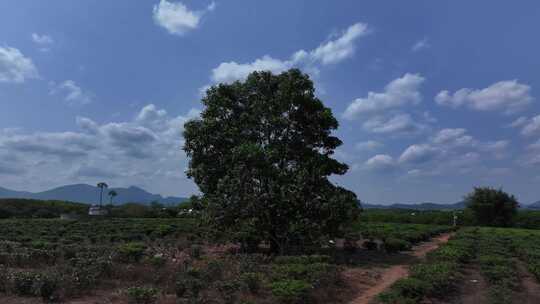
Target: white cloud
421,45
400,123
73,93
176,18
399,92
380,162
141,151
519,122
497,148
331,52
368,145
532,126
228,72
15,67
43,41
453,137
508,96
534,146
417,154
342,48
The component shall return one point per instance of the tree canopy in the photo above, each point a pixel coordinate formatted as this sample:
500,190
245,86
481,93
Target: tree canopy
261,154
492,207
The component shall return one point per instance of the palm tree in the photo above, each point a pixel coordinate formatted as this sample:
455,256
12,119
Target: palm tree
112,194
102,186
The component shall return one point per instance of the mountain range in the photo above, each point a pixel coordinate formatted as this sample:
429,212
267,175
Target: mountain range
88,194
83,193
433,206
420,206
535,206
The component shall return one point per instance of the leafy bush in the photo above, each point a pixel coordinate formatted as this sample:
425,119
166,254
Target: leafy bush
395,245
131,252
228,290
157,261
142,295
23,283
303,259
290,291
252,281
189,283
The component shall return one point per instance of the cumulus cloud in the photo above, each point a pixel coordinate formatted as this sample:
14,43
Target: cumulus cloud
519,122
139,151
368,145
497,148
380,162
421,45
15,67
532,126
230,71
342,48
418,154
453,137
399,92
177,18
72,93
330,52
44,41
508,96
60,144
399,123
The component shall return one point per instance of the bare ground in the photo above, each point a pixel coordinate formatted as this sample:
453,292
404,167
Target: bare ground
368,283
529,292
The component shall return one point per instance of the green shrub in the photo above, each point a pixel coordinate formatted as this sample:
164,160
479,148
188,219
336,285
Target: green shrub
228,290
411,288
189,283
23,283
290,291
438,275
393,245
142,295
157,261
131,252
303,259
252,281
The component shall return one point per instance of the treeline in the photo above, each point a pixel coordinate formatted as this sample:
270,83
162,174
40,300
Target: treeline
30,208
527,219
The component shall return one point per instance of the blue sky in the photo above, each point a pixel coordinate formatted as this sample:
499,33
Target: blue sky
433,98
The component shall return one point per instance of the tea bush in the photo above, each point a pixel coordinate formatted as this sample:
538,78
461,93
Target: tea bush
142,295
290,291
131,252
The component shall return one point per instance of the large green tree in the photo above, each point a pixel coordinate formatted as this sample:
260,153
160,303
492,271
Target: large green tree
492,207
261,154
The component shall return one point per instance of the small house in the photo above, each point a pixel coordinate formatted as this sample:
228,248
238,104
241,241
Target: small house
96,210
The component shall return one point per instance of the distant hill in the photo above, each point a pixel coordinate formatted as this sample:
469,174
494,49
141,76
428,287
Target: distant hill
420,206
83,193
535,206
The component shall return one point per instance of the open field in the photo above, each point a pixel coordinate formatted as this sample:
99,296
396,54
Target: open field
171,261
100,260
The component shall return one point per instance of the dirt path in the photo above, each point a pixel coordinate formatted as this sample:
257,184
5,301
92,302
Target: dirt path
530,288
369,283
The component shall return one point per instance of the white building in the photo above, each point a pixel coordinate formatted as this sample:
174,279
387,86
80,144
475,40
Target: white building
96,210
